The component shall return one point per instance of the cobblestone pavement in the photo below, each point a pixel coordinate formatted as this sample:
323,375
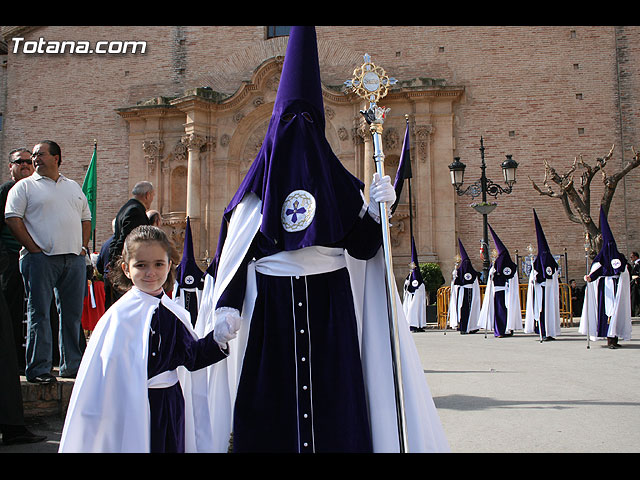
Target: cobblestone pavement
511,395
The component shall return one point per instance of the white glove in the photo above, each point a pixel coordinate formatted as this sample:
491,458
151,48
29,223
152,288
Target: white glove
226,325
380,191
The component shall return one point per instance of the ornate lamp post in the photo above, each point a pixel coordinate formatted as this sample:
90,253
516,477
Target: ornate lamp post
484,186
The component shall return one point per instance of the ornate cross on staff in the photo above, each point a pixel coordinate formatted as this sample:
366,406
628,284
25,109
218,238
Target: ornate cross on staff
372,83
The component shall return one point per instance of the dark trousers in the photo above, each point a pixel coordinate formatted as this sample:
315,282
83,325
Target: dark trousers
11,412
12,286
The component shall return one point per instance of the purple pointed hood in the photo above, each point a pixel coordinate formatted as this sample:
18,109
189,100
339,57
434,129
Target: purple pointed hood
613,262
188,273
466,273
544,262
296,157
504,265
415,276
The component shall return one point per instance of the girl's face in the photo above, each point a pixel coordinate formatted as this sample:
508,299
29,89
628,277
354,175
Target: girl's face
148,267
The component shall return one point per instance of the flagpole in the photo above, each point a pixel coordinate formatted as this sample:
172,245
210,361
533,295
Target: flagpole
371,83
409,184
95,152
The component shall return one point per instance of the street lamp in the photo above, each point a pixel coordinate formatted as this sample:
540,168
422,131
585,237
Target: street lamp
484,186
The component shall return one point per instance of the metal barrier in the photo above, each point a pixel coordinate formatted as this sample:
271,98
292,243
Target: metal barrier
566,309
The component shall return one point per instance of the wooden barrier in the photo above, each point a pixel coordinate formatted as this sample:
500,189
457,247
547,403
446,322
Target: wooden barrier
566,309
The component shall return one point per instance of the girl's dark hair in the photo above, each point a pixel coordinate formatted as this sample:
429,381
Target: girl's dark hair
141,234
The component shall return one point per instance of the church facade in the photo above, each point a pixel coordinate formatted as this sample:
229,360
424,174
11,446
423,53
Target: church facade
187,108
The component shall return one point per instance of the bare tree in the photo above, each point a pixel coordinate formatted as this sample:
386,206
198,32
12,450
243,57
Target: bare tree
576,200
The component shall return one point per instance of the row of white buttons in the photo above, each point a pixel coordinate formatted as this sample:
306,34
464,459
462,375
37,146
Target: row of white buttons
303,359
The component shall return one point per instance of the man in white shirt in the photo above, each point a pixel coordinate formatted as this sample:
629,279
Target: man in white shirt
49,215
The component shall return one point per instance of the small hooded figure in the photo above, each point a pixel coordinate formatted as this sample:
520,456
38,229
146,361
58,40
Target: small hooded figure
543,302
464,303
414,302
606,312
501,309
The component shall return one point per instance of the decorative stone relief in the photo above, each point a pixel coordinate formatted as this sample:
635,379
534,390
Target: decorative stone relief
152,153
423,137
180,152
193,141
390,139
329,113
343,134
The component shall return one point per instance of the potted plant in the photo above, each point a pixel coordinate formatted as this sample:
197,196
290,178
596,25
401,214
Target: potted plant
484,208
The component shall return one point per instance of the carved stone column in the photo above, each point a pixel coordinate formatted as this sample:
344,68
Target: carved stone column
194,143
368,167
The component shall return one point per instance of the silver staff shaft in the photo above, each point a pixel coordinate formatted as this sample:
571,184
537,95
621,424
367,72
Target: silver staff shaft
376,131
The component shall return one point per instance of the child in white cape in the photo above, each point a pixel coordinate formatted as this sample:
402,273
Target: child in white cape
142,385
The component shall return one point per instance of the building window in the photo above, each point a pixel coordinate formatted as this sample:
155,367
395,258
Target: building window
273,32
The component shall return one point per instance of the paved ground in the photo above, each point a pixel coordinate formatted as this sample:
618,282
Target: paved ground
513,395
519,395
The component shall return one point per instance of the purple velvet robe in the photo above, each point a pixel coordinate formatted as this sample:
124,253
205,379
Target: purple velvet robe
301,386
172,345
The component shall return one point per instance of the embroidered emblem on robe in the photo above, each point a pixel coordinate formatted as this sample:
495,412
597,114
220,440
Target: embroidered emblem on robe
298,211
615,263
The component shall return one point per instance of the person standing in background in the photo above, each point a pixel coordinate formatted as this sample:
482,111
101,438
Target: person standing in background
49,215
11,283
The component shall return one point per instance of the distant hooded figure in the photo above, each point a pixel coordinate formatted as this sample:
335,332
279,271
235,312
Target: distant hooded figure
189,283
543,303
309,367
501,309
606,312
414,302
464,304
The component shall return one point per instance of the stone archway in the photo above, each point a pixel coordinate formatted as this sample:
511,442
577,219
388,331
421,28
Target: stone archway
215,137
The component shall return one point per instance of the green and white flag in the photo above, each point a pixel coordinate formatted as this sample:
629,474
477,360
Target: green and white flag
90,187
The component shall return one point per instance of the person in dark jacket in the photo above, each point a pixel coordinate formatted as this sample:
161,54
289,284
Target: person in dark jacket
131,215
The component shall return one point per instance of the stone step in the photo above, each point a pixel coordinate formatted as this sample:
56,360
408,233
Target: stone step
46,400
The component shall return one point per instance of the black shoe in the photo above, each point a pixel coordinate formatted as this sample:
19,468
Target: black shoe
68,375
549,339
44,378
24,437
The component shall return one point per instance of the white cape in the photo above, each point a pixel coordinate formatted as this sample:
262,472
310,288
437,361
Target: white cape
414,306
551,304
109,406
511,300
425,433
455,303
617,307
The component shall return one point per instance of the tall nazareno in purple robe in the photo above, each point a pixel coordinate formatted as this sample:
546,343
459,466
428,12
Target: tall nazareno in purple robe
301,386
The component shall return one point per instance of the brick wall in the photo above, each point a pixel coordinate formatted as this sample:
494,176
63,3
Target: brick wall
538,93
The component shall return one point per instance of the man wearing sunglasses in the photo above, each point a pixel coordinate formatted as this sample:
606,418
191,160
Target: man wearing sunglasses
20,166
12,423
